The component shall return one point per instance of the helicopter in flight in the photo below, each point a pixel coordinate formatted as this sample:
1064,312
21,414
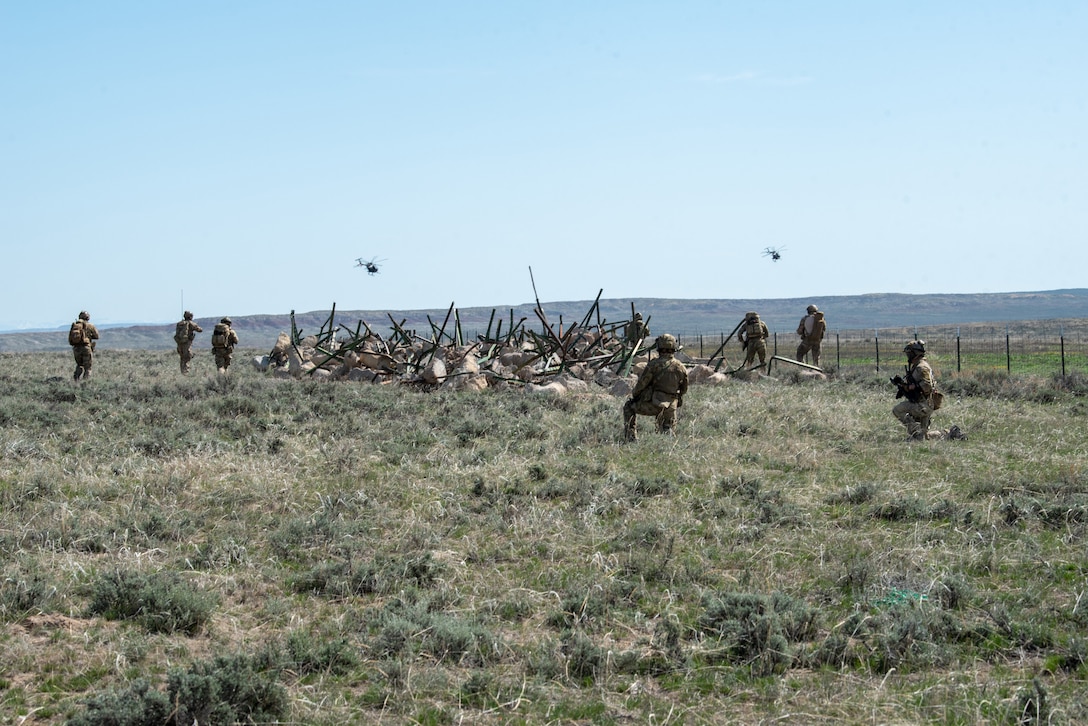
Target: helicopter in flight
775,253
371,265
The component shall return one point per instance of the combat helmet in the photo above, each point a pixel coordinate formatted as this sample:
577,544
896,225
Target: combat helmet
751,315
812,309
225,321
84,315
915,347
188,315
666,343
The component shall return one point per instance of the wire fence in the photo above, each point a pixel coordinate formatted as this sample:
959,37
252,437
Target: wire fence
1042,348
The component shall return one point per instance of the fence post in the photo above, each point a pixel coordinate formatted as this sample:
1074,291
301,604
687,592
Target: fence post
700,345
876,341
1008,355
958,362
838,357
1061,340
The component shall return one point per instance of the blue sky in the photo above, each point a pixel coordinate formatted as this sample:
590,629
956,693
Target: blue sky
238,156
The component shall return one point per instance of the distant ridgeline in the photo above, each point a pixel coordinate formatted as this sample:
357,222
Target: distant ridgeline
873,311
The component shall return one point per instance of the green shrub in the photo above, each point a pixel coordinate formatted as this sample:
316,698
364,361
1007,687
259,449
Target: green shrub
1054,512
585,659
296,536
649,487
475,691
904,508
1032,705
137,705
21,492
773,508
833,651
908,635
403,626
581,606
387,573
227,690
953,592
740,485
858,494
453,639
1075,383
22,595
756,630
161,601
304,653
858,572
544,660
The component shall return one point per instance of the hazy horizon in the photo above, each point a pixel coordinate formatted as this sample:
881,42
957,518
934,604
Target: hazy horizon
545,303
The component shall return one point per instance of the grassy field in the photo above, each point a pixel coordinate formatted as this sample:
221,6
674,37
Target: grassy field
259,550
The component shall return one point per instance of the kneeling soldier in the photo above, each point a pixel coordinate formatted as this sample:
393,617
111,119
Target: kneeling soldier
917,388
659,392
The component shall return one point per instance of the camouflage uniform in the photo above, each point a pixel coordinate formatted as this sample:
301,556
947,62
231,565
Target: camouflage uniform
915,415
184,333
636,330
223,353
84,353
753,337
811,330
659,391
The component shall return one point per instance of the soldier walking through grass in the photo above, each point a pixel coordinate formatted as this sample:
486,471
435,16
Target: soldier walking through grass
184,334
83,337
753,338
223,341
811,331
635,331
659,392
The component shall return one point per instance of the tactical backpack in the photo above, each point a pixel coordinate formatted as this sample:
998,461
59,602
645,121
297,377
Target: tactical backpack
181,335
754,330
77,334
221,336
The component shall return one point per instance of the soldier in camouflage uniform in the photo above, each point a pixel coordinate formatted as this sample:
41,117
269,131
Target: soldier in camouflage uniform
811,331
83,337
635,331
753,337
184,334
659,392
223,341
916,388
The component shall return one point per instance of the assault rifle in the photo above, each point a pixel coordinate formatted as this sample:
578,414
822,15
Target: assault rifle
902,389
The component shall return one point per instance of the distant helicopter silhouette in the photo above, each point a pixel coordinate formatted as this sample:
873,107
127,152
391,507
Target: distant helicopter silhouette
775,253
371,265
